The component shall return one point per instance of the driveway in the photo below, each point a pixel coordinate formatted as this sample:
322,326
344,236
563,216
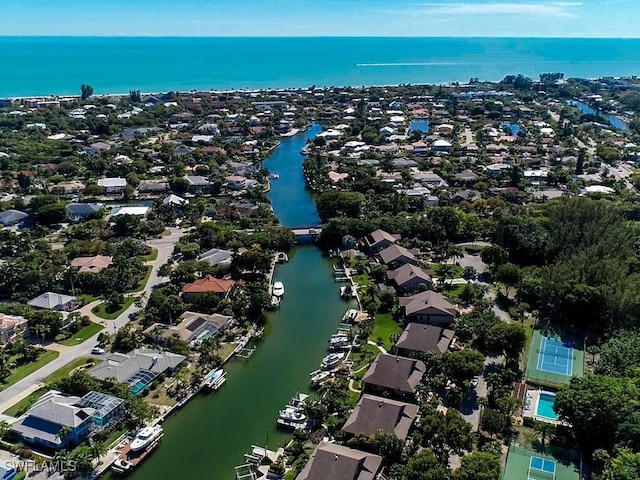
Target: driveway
24,387
470,408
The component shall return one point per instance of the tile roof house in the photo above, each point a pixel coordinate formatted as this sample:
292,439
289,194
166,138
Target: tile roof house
94,264
137,368
466,176
12,217
11,326
396,254
50,414
420,338
54,301
398,376
409,278
378,413
378,240
194,326
112,185
334,462
197,183
428,307
206,285
79,211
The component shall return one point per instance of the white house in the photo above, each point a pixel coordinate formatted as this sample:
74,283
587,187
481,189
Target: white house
112,185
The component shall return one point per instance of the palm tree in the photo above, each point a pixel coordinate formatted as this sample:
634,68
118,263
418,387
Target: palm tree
454,396
98,449
544,431
63,434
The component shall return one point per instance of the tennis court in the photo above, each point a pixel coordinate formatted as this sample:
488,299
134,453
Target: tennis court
554,464
555,357
553,360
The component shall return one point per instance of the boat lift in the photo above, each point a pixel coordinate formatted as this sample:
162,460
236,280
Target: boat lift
246,352
246,472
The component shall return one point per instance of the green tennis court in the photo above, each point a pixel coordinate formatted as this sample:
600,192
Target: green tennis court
553,360
523,464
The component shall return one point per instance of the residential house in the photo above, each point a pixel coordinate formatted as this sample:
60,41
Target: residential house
397,255
409,278
198,183
97,147
379,240
466,196
80,211
195,327
153,186
112,186
238,182
174,200
208,284
12,217
373,413
107,408
403,163
137,368
94,264
54,301
216,256
465,177
397,376
420,338
12,326
428,307
331,461
442,146
48,416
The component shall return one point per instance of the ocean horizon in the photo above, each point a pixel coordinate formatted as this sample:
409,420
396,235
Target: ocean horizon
42,66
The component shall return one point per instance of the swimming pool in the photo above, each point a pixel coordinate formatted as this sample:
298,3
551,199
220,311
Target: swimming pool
545,406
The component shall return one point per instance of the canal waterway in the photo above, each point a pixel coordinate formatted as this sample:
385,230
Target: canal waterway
208,437
612,119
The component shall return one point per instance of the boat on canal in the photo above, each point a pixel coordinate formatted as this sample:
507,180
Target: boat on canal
278,289
339,341
318,376
146,437
131,457
214,379
347,292
282,257
293,416
332,360
275,301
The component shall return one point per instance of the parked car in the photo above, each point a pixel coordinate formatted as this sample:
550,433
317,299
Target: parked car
97,350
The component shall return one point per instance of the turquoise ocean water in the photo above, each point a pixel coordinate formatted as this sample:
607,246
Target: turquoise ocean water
58,65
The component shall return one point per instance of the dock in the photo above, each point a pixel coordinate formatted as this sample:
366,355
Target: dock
129,460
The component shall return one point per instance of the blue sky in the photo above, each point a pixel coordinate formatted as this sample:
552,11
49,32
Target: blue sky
510,18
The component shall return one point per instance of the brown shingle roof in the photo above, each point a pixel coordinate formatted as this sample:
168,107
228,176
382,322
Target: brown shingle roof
376,413
393,252
93,264
428,299
208,284
395,373
425,338
335,462
408,272
378,236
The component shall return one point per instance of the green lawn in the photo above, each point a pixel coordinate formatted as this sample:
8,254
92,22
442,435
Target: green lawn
152,256
23,405
453,292
83,335
100,310
63,372
143,282
27,369
86,298
383,328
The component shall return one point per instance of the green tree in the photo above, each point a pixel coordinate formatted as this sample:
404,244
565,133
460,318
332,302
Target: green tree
619,355
494,423
504,339
86,91
544,431
462,365
478,466
509,275
425,466
625,466
336,204
446,434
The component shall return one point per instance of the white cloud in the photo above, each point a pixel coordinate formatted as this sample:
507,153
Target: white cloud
542,9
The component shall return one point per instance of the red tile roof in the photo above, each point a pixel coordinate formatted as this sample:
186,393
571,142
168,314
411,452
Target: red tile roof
209,284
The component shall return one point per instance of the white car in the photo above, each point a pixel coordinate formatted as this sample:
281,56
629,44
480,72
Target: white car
97,350
474,382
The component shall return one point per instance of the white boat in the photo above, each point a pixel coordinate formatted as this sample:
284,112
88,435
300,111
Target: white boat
305,151
339,341
278,289
146,437
275,176
299,400
292,414
319,376
215,379
122,466
332,360
275,301
350,316
347,292
282,257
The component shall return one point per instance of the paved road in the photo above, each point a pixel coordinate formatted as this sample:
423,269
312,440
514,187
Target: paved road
24,387
470,408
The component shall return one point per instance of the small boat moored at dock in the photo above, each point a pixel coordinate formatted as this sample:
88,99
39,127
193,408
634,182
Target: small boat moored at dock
146,437
347,292
293,416
278,289
214,379
135,452
332,360
282,257
318,376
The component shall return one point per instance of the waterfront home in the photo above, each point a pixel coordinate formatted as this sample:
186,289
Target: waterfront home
420,338
379,240
94,264
216,256
48,416
428,307
238,182
137,368
394,375
409,278
12,217
106,408
373,413
153,186
331,461
396,254
80,211
174,200
112,186
12,326
198,183
96,148
208,284
195,327
136,211
54,301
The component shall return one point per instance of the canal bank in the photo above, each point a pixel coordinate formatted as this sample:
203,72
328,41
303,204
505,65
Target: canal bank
207,438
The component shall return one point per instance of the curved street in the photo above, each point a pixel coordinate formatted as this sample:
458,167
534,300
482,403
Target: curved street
30,383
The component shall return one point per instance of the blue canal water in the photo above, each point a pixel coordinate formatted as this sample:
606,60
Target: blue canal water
612,119
292,202
421,125
59,65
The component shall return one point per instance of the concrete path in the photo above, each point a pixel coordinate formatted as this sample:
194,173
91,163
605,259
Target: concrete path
379,347
164,245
